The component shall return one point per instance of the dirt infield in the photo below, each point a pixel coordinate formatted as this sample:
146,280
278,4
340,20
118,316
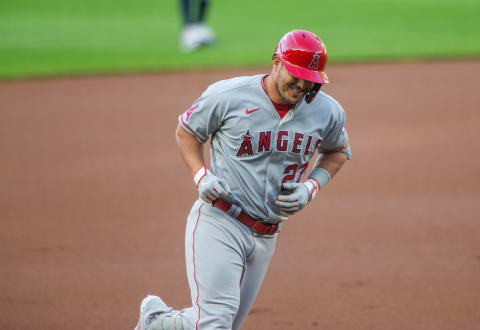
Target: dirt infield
94,198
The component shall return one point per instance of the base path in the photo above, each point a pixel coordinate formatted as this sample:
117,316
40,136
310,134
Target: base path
94,198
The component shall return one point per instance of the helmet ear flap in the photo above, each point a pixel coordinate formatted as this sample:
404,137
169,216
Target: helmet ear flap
312,93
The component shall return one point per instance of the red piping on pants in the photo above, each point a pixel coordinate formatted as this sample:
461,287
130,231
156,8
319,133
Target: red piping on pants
194,276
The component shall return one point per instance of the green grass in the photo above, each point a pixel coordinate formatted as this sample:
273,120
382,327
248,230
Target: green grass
51,37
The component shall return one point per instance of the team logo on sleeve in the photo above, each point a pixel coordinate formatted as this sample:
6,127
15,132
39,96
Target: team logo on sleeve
314,63
189,111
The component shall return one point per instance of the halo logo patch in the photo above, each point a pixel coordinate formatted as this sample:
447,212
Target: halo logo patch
246,147
314,64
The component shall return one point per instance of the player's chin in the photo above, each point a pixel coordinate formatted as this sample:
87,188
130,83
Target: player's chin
295,97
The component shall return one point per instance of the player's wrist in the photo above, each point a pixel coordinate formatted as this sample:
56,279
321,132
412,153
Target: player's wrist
312,188
199,175
319,178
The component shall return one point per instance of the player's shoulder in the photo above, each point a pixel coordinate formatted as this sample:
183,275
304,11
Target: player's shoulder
324,102
232,85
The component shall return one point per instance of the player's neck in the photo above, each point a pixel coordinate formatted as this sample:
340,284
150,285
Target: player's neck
270,90
281,108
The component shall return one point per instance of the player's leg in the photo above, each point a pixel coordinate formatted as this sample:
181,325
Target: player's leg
202,10
255,270
217,247
195,32
226,265
194,11
185,7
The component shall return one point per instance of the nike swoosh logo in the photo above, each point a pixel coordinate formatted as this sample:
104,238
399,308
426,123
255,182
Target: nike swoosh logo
250,111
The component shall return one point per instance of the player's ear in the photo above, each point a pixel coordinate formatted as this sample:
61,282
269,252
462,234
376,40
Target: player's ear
277,64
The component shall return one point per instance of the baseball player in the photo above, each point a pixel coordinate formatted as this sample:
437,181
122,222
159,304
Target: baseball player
195,32
264,131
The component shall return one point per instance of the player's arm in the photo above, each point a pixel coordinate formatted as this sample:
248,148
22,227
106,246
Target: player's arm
332,154
190,149
331,162
209,186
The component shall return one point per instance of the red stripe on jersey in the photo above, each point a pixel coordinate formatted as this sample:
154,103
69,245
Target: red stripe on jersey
191,131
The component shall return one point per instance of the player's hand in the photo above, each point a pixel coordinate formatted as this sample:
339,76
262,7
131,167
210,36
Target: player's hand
210,188
296,197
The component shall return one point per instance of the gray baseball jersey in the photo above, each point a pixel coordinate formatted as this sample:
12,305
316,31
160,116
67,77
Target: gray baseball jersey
253,149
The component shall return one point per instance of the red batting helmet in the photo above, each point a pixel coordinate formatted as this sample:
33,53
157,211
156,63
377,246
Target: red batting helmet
304,55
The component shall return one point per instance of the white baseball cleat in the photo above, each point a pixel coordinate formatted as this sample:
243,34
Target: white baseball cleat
195,36
206,34
150,308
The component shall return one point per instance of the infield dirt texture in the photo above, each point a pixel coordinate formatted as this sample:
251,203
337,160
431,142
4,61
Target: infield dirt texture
94,198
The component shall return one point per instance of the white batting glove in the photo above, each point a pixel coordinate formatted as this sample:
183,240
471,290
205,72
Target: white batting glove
210,187
298,195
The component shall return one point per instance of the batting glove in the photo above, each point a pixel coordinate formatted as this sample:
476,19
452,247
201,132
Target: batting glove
298,195
210,187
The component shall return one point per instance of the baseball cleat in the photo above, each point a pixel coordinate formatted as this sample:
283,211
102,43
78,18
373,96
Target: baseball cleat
150,307
195,36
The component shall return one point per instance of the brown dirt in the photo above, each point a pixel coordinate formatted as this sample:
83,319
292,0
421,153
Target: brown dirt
94,198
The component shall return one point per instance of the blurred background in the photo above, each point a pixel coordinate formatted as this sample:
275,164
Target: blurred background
94,194
51,37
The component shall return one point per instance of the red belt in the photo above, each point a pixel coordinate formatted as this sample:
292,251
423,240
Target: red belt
258,226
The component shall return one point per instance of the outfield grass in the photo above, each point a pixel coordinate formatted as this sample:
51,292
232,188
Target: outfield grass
50,37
